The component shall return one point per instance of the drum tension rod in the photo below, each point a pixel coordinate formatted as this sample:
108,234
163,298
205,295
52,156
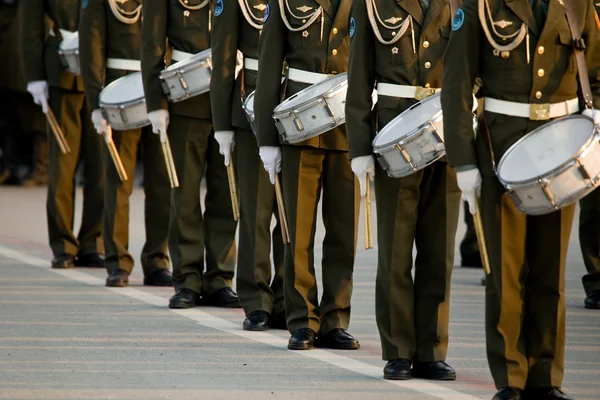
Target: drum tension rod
547,192
405,155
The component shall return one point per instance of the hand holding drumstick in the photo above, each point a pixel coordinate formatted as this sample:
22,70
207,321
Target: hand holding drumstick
364,169
160,122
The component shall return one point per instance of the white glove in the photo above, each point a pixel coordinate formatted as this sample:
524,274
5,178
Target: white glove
225,140
475,104
364,168
39,91
593,114
99,122
469,183
160,122
271,158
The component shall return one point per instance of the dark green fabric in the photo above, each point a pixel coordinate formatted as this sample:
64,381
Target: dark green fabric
589,240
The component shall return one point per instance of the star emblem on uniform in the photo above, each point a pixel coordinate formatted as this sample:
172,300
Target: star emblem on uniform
502,23
394,50
186,13
304,9
305,34
561,2
260,7
393,20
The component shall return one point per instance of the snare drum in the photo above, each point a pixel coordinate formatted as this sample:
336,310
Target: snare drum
248,107
313,111
552,166
412,140
68,50
187,78
124,104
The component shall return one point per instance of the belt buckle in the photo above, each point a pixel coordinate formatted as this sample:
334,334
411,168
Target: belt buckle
422,93
539,112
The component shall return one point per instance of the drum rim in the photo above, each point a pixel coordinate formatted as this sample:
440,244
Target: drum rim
279,112
411,134
174,68
245,102
113,84
560,168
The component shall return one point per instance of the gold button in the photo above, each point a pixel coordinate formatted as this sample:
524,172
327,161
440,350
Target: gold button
541,50
541,72
334,31
427,65
426,44
303,21
538,95
334,52
427,85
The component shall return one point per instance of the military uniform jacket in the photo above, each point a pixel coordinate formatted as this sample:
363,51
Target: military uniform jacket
181,25
101,36
391,54
549,76
41,61
304,51
237,25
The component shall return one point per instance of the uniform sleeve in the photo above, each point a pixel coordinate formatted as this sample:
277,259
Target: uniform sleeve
224,44
591,34
271,52
32,32
92,49
153,49
461,64
361,81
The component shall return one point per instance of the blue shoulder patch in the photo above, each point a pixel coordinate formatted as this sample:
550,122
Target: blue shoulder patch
267,12
84,3
219,8
352,26
459,20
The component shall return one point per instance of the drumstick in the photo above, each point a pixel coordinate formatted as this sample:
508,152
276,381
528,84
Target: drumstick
114,154
233,191
57,131
285,233
368,217
168,155
485,260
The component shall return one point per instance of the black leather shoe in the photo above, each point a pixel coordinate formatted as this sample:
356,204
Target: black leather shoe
278,321
256,321
507,393
592,301
548,393
161,277
225,298
303,339
397,370
184,298
338,339
63,261
119,278
93,260
437,370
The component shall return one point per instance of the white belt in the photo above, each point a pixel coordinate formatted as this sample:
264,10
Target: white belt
536,112
177,55
64,33
122,64
404,91
251,64
298,75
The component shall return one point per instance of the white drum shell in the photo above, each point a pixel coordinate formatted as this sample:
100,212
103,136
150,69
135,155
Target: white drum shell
69,53
187,78
561,187
314,116
130,113
248,107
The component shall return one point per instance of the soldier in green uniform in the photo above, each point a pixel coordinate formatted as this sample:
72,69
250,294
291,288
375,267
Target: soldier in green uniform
184,28
525,298
109,48
589,240
53,87
237,25
421,208
312,36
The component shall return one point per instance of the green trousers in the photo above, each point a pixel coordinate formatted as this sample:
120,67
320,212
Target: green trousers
195,151
525,295
306,174
418,210
257,286
589,239
73,116
157,202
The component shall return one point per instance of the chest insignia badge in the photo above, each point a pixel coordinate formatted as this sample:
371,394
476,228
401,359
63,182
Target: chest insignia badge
393,20
304,9
260,7
394,50
503,24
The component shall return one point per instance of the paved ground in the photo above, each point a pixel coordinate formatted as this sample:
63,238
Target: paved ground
63,335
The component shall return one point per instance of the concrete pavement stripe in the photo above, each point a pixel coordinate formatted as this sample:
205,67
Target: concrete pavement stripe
210,321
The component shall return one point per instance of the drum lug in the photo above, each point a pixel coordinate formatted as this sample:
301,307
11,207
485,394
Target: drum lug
298,123
123,115
591,182
329,110
182,82
405,155
544,184
435,133
514,197
384,164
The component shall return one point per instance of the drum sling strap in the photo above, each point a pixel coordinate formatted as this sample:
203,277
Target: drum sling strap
584,80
